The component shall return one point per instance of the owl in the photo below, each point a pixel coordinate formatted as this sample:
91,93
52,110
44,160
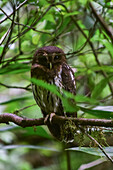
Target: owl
49,64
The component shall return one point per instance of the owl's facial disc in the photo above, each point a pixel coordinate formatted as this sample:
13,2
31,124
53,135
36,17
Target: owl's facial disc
49,59
54,59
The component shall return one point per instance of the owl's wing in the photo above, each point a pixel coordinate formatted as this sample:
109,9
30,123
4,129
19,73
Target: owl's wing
68,78
69,85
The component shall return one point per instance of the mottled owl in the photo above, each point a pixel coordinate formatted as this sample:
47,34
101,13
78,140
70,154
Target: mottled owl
49,64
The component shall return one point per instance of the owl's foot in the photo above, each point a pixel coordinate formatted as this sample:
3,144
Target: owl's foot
49,118
46,119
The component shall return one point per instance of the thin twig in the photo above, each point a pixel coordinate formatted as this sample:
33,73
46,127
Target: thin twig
23,3
103,72
17,87
100,147
9,61
5,36
9,37
32,25
16,59
17,23
19,40
19,110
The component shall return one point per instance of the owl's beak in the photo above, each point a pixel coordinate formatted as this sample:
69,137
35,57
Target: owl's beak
50,65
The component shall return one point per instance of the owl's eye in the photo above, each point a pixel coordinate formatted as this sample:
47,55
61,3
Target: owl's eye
56,57
42,60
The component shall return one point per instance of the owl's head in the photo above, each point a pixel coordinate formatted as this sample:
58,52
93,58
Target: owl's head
49,57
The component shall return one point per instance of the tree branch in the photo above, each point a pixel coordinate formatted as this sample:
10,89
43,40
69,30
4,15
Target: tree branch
102,22
26,122
23,122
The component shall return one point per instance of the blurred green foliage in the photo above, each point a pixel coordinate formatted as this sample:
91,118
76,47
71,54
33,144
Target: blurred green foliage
72,26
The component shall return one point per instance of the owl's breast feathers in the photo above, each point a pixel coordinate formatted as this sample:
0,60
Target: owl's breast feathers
47,101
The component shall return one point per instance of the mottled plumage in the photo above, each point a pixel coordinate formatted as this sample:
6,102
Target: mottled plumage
49,64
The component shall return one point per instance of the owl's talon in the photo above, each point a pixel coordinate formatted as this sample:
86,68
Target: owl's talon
46,119
51,117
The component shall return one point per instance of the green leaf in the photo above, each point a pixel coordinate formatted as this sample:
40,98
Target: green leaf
64,25
49,17
47,86
107,44
15,68
82,99
1,49
93,151
71,13
98,113
6,128
99,88
104,68
35,39
42,3
7,147
38,131
88,22
16,100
